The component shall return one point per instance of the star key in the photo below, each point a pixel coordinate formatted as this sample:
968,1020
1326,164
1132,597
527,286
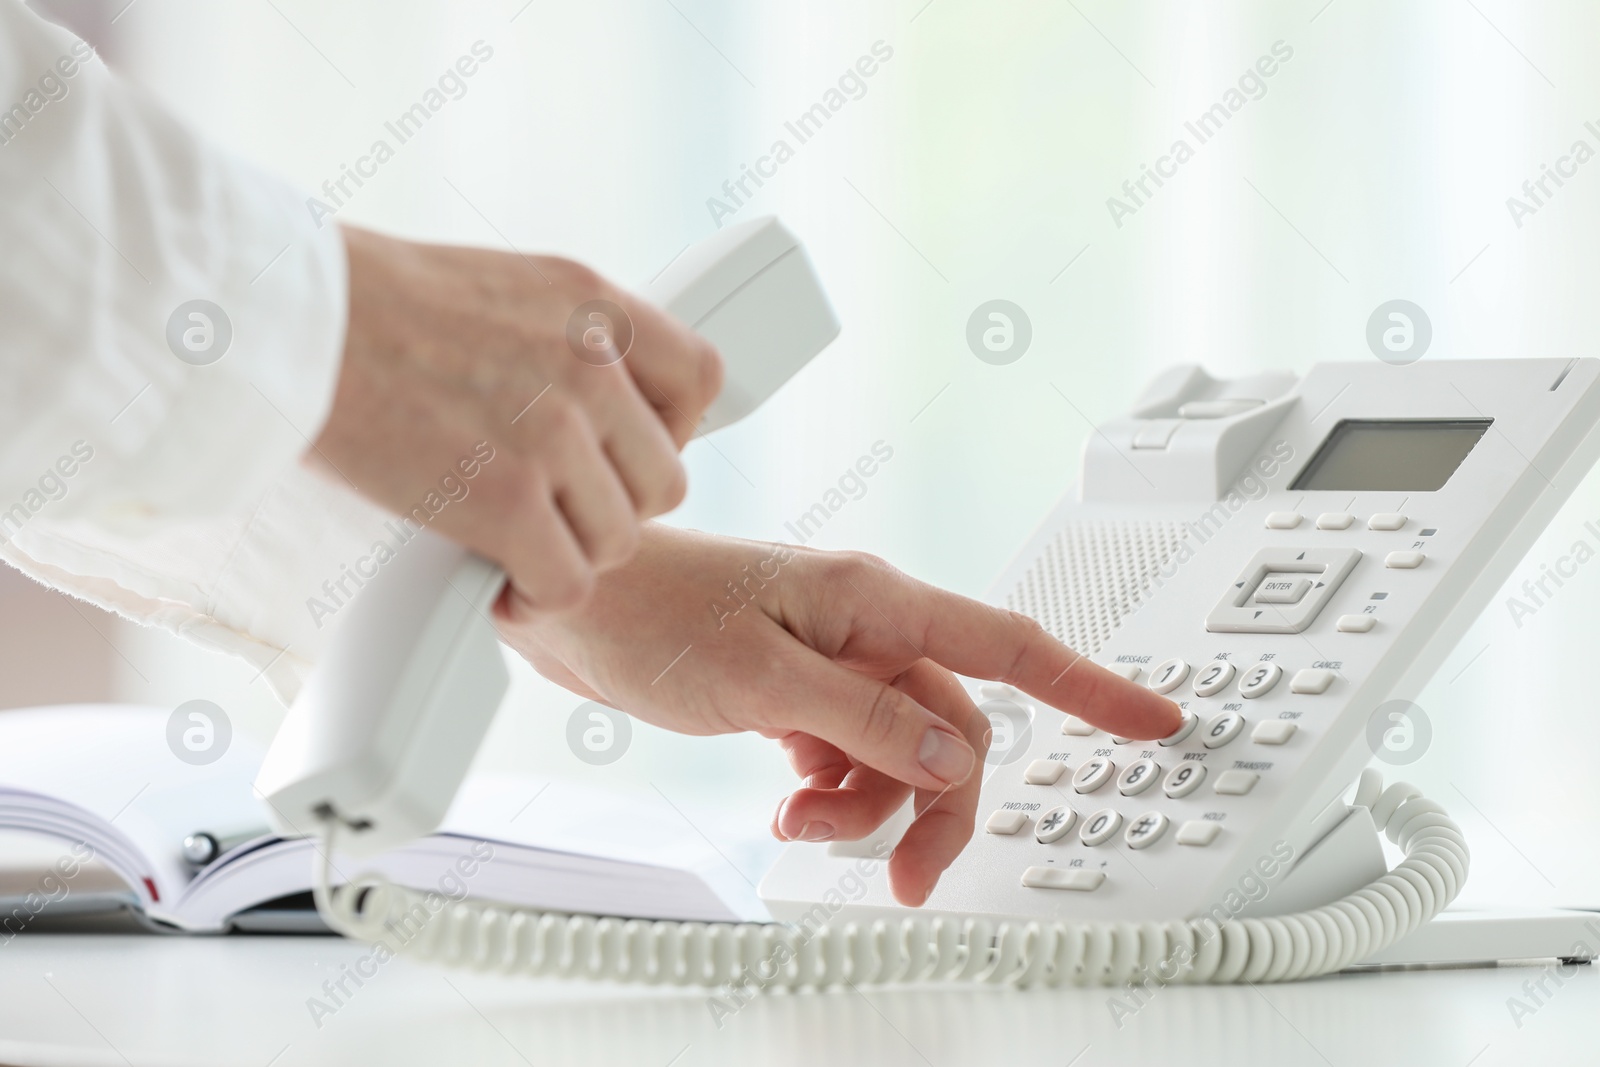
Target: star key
1054,824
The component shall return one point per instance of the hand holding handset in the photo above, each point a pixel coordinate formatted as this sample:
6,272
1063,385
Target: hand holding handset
386,726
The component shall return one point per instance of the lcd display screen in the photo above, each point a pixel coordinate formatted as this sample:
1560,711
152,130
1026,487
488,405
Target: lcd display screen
1399,455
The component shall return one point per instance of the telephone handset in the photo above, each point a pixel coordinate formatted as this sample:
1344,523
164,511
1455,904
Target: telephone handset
1283,558
382,734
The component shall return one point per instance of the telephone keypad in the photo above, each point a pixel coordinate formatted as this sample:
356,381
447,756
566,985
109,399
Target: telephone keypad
1213,678
1335,520
1386,520
1101,827
1146,830
1138,777
1076,727
1184,779
1222,729
1094,774
1283,520
1404,561
1355,624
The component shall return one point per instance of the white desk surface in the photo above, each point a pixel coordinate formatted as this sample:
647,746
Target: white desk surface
131,1001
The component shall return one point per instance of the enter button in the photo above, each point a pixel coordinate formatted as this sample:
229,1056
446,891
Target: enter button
1282,589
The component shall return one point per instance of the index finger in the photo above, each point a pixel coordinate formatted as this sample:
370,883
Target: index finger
982,641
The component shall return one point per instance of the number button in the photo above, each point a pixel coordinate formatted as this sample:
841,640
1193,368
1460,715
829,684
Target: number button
1169,675
1213,678
1259,680
1184,779
1139,777
1185,728
1101,827
1146,830
1055,824
1094,774
1222,729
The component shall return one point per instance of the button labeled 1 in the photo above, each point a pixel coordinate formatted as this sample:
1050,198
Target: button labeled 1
1169,675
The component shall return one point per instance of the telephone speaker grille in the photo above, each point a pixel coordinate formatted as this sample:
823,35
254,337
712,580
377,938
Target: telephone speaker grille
1092,575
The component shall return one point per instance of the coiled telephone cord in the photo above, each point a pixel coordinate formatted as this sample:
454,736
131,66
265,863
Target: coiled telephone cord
497,938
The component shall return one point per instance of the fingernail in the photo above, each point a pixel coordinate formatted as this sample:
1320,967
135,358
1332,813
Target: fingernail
931,888
815,831
945,756
777,819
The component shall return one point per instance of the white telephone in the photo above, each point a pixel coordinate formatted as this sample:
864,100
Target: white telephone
1281,557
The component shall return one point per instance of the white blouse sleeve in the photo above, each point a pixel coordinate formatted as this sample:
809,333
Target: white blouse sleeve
173,320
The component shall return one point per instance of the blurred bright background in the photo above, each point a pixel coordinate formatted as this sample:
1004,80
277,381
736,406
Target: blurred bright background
976,165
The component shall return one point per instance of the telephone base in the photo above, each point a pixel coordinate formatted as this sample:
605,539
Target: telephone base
1456,938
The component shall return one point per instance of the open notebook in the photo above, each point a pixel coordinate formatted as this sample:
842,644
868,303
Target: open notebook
102,776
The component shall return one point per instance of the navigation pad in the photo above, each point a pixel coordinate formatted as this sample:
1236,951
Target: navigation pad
1281,590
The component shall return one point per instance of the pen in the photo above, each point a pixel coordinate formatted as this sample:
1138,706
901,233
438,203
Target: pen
203,846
